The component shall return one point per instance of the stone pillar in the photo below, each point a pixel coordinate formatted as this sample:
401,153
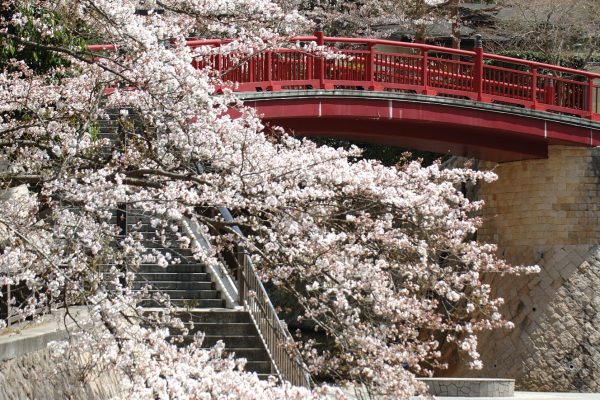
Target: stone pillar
546,212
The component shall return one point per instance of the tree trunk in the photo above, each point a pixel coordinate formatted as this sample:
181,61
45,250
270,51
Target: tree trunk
455,18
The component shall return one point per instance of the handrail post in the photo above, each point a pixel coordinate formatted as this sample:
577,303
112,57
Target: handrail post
549,91
219,62
269,69
321,62
219,67
590,96
8,301
425,68
478,73
534,87
251,77
241,262
370,65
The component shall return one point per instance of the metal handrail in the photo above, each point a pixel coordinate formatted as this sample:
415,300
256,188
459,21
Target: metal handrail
285,357
12,318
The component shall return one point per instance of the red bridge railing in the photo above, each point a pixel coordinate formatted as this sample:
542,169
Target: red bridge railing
384,65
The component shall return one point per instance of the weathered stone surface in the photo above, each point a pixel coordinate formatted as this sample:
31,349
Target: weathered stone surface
34,376
465,387
546,212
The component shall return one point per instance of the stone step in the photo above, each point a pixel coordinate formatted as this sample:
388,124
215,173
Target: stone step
109,129
107,122
175,285
214,316
179,259
111,136
143,224
151,239
231,341
187,303
260,367
189,294
256,354
187,264
174,268
173,276
168,246
234,341
220,328
150,231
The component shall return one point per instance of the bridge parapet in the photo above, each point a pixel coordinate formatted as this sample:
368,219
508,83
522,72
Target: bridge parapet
385,65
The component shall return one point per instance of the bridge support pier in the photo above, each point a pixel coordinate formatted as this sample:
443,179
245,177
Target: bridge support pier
546,212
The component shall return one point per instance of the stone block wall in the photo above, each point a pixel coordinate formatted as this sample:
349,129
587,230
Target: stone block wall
546,212
470,387
539,203
34,376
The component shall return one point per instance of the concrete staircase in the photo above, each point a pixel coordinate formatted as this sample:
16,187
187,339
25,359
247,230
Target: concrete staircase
236,330
189,285
192,290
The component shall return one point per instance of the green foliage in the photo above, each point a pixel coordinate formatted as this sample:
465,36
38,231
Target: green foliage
387,155
55,32
94,130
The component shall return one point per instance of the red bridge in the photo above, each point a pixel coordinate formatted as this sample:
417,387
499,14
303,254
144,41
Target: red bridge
417,96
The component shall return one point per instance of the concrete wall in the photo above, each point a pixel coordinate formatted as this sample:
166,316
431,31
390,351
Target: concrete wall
28,372
34,376
546,212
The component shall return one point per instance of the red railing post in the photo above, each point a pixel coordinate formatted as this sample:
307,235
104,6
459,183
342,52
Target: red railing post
321,61
425,71
219,63
269,69
590,96
534,87
549,91
370,66
251,74
478,73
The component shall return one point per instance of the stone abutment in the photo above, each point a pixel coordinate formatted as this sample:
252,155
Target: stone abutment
546,212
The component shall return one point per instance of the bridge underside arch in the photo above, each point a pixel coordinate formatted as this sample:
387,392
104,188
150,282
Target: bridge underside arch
443,125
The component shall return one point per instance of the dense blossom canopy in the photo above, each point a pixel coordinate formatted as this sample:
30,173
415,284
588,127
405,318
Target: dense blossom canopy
382,259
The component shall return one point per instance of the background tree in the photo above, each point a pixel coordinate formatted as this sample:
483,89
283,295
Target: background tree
557,30
383,18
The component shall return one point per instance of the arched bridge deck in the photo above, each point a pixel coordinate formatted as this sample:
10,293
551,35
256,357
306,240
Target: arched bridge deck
485,131
413,95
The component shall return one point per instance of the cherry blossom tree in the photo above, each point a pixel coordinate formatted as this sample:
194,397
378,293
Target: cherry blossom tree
383,259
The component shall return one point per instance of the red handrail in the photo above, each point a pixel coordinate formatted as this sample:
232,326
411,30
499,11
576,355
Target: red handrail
387,65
